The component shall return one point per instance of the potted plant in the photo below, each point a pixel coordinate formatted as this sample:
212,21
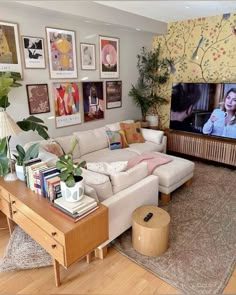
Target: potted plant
24,155
72,183
7,81
153,72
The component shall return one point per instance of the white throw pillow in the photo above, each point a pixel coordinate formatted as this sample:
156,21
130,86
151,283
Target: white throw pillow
107,168
125,179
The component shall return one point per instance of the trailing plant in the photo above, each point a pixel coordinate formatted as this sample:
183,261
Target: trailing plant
25,155
69,169
154,71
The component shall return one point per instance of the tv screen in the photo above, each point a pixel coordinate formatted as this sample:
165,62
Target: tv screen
205,108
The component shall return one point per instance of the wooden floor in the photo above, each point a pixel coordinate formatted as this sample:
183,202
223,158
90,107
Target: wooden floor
115,274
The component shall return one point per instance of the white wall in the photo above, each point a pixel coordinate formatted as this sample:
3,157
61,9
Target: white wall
32,22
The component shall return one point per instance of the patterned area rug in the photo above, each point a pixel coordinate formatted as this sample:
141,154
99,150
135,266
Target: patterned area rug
22,252
202,250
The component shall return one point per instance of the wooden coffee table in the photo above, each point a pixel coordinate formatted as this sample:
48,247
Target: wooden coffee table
150,238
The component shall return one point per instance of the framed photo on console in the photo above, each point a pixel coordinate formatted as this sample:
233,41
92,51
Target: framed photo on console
109,57
61,53
34,54
113,94
10,57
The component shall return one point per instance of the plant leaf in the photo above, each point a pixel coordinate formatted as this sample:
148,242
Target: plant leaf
32,152
35,124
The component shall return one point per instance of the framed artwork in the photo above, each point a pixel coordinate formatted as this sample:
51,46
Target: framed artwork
113,94
109,57
10,57
34,53
38,99
66,104
93,101
61,53
88,56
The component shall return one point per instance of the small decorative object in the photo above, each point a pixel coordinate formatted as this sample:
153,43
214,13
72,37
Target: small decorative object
113,94
93,101
66,102
10,57
34,54
72,183
88,56
109,57
38,99
61,53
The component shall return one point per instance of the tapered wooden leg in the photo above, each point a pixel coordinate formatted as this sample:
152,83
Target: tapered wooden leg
101,253
89,257
56,267
189,182
10,224
165,198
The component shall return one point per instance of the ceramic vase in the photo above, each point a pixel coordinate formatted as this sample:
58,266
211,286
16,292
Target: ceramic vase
20,172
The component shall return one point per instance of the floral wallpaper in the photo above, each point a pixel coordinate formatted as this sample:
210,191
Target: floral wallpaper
202,49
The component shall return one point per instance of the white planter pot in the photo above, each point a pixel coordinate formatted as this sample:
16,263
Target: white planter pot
20,172
73,194
153,120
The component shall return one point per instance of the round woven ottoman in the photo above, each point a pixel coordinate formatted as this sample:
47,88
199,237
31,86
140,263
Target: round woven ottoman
150,238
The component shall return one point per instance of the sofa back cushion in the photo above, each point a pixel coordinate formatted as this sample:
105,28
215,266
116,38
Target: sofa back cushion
127,178
155,136
66,143
91,140
99,182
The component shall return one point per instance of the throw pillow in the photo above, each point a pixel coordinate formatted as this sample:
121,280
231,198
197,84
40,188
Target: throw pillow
133,132
116,139
54,148
107,168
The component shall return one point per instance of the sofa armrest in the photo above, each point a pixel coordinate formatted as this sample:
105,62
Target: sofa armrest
122,204
152,135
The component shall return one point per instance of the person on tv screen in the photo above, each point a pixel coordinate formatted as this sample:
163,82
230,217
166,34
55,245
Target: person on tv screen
184,97
222,121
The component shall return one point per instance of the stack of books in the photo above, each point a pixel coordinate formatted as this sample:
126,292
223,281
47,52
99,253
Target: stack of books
76,210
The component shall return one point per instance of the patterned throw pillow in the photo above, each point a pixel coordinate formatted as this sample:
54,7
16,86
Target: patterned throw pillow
133,132
116,139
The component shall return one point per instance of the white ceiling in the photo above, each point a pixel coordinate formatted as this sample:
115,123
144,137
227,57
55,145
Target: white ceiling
168,11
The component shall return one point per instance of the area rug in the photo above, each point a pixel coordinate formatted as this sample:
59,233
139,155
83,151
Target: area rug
202,248
23,252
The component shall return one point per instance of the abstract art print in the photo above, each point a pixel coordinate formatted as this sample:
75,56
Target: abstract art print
10,57
38,99
34,54
61,53
109,57
88,56
66,103
93,101
113,94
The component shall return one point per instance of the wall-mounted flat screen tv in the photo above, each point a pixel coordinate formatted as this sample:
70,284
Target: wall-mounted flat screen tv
206,108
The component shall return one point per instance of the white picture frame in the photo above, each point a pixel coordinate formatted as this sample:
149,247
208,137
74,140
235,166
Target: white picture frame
88,56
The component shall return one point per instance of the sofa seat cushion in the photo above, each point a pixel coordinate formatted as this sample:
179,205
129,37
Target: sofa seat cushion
106,155
127,178
174,171
99,182
145,147
92,140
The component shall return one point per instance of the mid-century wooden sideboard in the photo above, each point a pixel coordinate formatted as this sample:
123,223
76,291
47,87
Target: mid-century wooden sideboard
64,240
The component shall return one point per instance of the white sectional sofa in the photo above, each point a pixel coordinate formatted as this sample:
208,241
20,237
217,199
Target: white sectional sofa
124,192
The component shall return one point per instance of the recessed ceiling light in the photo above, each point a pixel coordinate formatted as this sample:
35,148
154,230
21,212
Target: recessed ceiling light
138,29
108,24
187,7
88,21
84,79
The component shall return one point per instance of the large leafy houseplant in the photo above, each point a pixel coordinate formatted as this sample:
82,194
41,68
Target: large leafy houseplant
154,71
9,80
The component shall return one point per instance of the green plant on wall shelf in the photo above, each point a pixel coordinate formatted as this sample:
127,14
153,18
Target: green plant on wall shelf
154,71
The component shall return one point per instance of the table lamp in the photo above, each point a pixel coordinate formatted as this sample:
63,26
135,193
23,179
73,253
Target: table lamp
8,127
